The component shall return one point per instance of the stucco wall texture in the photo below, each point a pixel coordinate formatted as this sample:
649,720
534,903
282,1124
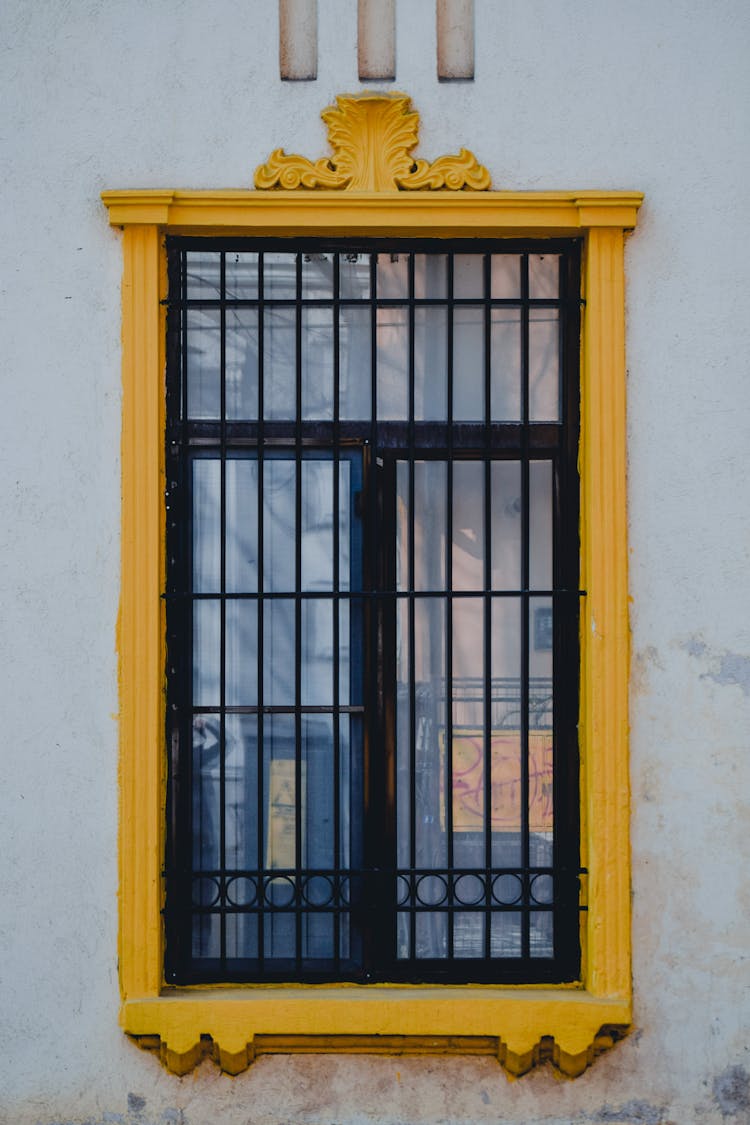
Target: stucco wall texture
126,93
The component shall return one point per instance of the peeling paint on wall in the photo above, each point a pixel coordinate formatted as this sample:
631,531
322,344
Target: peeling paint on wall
725,668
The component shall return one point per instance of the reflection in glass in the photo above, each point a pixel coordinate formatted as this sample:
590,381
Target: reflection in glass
393,362
317,524
279,527
430,276
354,276
241,363
316,653
317,362
468,363
279,276
468,525
393,276
280,800
430,482
544,275
206,797
468,275
279,363
431,363
241,672
544,365
206,652
355,362
241,792
278,653
506,276
317,276
505,351
540,525
203,275
203,363
505,483
505,764
241,275
241,524
206,525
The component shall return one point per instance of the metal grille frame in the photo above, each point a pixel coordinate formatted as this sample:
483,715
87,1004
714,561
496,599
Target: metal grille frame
368,892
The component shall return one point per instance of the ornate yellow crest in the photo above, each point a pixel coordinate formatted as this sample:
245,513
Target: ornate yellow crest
372,136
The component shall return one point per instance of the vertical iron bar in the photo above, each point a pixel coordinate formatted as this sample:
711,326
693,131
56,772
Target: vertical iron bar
378,847
525,571
223,618
336,610
487,608
448,692
411,586
260,728
298,623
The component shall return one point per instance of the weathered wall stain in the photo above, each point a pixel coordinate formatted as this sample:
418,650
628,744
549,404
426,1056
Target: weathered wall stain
731,1090
725,668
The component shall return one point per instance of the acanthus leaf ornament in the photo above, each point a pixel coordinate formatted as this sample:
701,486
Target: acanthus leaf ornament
372,136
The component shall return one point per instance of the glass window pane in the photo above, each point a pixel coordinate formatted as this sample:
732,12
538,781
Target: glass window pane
318,805
505,762
206,803
316,653
505,477
430,275
317,524
241,363
241,276
430,517
393,276
206,653
540,525
468,363
354,277
279,653
241,525
203,363
544,275
317,362
317,276
355,363
506,276
544,365
279,524
279,363
241,674
468,275
206,525
279,276
203,275
431,363
505,344
468,525
241,798
393,362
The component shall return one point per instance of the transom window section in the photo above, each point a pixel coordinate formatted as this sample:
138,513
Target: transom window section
372,611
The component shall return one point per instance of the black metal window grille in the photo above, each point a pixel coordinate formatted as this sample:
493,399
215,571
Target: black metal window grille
372,611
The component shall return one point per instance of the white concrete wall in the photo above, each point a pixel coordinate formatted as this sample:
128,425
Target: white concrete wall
117,93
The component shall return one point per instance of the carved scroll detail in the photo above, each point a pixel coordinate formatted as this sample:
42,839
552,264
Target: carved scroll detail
372,136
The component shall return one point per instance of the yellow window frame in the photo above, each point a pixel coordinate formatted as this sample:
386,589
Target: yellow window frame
520,1025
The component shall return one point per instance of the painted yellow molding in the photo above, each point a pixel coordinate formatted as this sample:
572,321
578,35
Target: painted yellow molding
521,1026
372,136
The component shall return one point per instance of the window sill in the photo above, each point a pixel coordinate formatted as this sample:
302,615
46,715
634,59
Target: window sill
521,1026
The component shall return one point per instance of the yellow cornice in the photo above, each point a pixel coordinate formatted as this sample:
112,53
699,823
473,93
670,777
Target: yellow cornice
454,214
